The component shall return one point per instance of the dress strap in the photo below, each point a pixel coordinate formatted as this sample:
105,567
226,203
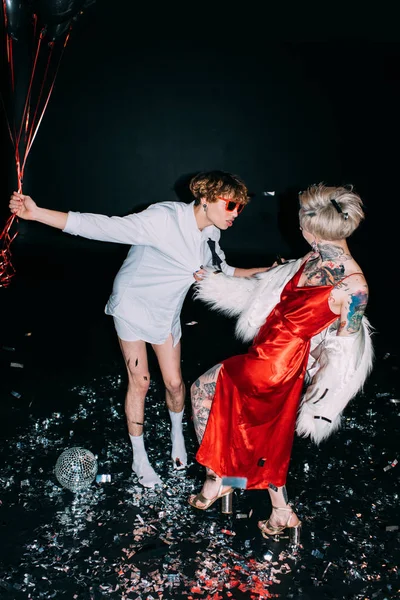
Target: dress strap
347,276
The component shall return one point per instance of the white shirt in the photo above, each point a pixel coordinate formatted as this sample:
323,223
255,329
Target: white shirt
151,285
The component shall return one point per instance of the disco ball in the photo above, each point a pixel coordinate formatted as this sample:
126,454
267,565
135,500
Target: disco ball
76,468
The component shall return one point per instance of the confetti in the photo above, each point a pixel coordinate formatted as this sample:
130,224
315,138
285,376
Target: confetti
123,541
391,465
103,478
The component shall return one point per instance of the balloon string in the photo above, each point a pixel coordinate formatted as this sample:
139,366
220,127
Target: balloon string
11,61
12,81
8,46
5,233
35,21
30,134
5,14
33,135
28,95
34,28
7,270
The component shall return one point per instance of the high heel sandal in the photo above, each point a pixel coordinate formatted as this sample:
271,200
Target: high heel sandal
294,530
226,500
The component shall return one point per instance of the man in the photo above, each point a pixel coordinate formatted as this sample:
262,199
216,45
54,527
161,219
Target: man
170,244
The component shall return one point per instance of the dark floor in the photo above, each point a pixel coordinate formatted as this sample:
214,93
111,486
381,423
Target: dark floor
62,386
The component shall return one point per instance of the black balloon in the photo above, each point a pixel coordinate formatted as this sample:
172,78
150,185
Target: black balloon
58,11
17,13
55,31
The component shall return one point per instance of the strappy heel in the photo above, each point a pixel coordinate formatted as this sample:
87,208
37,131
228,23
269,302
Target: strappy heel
268,530
226,500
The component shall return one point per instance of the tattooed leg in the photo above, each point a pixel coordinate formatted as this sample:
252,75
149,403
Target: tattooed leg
202,394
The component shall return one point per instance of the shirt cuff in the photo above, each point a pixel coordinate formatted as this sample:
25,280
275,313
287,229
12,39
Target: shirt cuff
227,269
72,224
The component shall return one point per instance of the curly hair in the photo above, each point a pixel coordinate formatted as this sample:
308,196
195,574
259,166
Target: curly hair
330,213
213,183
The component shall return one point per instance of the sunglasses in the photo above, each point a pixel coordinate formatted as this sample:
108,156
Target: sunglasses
230,205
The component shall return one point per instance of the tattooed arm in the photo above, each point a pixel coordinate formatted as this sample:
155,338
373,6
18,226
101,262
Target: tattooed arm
353,305
202,394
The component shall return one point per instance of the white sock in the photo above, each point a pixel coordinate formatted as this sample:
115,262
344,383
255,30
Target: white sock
178,453
141,465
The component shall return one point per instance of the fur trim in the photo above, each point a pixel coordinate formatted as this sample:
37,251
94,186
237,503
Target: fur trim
341,366
225,294
265,297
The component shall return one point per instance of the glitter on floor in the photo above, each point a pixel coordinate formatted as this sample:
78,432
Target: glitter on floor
119,540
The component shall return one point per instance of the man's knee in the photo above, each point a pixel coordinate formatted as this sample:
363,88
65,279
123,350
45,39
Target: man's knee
174,385
139,382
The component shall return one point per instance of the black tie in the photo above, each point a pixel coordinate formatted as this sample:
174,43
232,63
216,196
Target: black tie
216,261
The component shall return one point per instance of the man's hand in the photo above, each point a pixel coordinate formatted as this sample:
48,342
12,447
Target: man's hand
22,206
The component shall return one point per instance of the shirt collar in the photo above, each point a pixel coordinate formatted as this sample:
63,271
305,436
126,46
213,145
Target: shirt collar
206,232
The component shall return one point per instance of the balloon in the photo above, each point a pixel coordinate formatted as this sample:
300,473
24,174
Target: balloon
29,96
60,14
17,13
58,11
57,30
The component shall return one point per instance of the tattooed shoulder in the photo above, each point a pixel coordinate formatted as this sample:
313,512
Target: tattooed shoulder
343,286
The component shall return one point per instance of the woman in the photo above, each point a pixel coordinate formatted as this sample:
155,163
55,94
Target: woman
245,409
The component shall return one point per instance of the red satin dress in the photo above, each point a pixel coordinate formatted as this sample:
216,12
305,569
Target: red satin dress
251,425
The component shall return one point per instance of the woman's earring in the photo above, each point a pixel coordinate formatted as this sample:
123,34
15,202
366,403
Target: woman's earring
205,207
314,246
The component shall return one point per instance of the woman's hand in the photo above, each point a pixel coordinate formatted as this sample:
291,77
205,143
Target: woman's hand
22,206
279,261
198,275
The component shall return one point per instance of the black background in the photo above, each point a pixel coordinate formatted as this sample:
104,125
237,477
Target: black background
147,96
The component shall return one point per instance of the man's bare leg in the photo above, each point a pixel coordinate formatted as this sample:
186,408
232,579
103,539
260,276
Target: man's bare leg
169,359
135,355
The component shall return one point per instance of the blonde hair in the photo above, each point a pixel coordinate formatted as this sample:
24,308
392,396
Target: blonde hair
211,184
330,213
